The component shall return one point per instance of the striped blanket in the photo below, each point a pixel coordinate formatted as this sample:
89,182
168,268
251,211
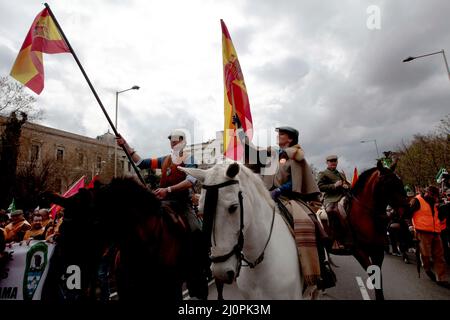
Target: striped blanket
305,238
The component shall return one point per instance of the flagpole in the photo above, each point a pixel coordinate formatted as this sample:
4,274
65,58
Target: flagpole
93,91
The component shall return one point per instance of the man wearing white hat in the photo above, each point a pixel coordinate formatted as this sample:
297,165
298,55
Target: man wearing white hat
174,190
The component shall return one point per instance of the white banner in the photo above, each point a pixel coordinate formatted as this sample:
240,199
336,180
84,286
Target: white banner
26,272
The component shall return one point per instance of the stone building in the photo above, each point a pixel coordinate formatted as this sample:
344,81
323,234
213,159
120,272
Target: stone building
69,155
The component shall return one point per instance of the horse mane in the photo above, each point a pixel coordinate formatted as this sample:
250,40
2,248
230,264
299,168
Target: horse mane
252,178
133,193
362,179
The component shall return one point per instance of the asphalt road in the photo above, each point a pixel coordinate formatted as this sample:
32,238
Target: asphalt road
400,282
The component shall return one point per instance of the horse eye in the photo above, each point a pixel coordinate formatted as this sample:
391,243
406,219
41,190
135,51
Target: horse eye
232,208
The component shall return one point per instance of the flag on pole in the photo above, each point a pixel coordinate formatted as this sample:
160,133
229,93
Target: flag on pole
12,206
43,37
440,175
235,98
91,184
70,192
355,177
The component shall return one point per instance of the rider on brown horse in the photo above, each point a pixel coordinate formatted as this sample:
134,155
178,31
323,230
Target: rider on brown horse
334,185
174,191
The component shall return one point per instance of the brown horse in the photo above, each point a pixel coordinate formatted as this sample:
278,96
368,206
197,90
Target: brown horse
375,189
152,241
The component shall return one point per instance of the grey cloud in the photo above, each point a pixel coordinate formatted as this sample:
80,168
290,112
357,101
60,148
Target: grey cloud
284,72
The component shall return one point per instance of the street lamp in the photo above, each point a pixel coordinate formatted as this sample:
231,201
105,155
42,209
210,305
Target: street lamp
430,54
376,146
117,108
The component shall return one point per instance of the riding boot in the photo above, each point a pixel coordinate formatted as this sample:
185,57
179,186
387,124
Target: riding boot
321,233
341,232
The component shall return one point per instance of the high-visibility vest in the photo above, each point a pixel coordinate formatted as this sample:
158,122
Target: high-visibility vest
424,220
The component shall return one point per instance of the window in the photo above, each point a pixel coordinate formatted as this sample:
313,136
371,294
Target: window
58,185
59,154
129,167
99,163
80,159
35,152
122,165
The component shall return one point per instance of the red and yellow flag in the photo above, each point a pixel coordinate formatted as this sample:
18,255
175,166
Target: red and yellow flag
43,37
355,177
235,98
70,192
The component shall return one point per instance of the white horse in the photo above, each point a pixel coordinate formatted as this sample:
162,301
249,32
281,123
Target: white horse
250,242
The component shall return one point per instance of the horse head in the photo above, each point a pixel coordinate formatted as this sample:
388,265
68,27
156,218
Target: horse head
390,189
220,204
80,243
229,204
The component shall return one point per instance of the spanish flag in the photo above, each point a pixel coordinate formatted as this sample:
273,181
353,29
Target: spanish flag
43,37
235,98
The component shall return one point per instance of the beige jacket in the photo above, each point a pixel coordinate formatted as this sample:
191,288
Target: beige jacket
297,168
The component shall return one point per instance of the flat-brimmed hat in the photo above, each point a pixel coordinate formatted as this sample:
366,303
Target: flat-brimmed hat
332,157
287,129
16,213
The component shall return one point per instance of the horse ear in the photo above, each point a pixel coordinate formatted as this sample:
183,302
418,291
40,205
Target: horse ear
380,166
233,170
196,173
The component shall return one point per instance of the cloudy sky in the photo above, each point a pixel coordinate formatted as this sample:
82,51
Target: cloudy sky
329,68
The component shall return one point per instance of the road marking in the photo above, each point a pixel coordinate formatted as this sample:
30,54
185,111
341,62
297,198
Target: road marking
186,292
362,288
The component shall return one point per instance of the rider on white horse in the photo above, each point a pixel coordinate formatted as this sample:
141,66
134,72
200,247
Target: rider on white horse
292,184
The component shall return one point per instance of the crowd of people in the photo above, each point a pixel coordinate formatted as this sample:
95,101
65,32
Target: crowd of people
18,225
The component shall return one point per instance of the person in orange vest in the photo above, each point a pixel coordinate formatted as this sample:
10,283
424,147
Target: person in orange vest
427,226
17,228
37,231
444,216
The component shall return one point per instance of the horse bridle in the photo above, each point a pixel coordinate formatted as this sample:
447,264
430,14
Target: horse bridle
237,249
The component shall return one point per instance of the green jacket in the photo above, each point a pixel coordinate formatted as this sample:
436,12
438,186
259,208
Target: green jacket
327,179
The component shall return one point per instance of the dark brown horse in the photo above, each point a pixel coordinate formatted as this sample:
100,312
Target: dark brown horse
375,189
152,243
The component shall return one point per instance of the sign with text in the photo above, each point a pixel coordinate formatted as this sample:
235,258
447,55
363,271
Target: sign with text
25,274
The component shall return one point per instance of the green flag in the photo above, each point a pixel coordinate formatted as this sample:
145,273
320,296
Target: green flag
12,206
440,175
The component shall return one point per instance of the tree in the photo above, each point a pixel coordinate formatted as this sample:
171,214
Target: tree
31,180
8,155
425,155
13,98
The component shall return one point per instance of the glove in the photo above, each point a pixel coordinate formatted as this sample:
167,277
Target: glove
275,194
236,121
338,183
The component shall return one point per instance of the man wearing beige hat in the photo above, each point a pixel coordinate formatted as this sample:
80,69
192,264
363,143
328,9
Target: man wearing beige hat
334,185
15,231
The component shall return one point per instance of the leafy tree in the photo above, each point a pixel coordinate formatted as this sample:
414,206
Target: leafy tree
421,159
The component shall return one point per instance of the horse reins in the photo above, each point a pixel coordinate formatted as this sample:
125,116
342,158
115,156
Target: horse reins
210,206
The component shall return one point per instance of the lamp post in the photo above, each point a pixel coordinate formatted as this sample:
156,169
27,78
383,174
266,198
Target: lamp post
430,54
117,108
376,146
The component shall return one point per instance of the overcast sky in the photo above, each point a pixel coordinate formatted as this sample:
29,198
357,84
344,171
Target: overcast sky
313,65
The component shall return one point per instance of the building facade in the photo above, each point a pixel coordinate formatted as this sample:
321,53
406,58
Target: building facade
69,155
